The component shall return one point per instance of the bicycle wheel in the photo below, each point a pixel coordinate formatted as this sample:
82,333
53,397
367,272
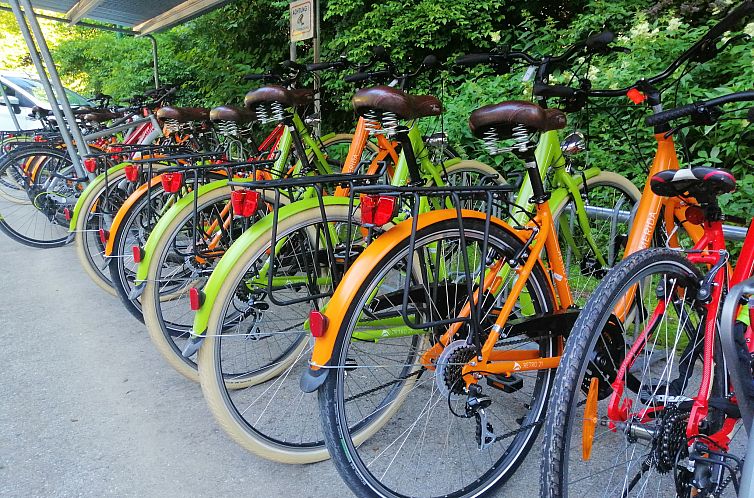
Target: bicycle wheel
256,344
96,212
610,200
138,222
184,257
648,368
38,184
397,428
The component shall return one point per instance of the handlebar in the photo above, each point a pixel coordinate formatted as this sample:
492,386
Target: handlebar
380,55
701,107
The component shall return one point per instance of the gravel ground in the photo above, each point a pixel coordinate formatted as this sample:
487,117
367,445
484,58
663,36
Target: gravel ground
89,408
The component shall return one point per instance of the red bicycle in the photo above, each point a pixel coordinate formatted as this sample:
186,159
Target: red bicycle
643,404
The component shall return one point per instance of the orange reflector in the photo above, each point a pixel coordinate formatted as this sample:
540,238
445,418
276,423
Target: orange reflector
132,172
90,164
172,182
196,298
317,323
244,202
376,210
590,419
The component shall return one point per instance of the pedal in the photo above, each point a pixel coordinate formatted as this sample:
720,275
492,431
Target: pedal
506,384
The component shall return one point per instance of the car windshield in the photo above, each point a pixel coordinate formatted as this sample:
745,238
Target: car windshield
36,89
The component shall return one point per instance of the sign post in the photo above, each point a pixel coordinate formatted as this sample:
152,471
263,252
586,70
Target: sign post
305,17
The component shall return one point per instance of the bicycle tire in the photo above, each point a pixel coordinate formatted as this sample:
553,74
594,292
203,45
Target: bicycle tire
346,447
563,406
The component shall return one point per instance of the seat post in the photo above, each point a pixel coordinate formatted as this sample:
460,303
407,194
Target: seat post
402,136
539,194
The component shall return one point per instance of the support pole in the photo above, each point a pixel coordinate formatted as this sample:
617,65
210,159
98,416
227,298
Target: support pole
10,108
67,138
317,79
155,61
62,100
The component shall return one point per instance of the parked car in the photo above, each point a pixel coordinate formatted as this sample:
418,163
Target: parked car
24,94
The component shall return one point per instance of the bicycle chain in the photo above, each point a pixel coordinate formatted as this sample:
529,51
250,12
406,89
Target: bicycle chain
406,377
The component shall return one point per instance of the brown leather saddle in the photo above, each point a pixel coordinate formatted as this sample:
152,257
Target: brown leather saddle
505,116
234,114
388,99
183,114
277,94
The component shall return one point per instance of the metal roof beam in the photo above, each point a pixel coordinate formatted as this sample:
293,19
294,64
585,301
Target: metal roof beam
81,9
82,24
182,12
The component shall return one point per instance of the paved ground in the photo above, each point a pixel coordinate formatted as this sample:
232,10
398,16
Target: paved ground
88,408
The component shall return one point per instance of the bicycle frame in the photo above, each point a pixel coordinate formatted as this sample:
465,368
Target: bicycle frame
709,250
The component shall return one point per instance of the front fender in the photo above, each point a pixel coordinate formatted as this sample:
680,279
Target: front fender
558,195
360,270
94,184
240,248
161,227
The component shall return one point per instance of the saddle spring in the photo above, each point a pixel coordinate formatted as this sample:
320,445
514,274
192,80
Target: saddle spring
171,126
519,135
228,128
269,112
378,122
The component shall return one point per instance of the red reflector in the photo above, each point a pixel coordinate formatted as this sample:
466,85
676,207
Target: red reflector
90,164
196,298
132,172
103,235
376,210
172,182
39,138
138,254
636,96
244,202
695,215
67,213
317,323
116,149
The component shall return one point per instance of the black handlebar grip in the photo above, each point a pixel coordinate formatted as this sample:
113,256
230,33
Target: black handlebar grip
321,66
672,114
562,91
291,65
380,53
430,61
600,40
473,59
355,78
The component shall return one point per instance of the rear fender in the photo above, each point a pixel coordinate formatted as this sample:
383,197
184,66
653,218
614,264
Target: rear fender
162,225
93,186
120,216
358,273
240,248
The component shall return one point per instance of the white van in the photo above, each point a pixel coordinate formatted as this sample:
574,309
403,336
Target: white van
25,93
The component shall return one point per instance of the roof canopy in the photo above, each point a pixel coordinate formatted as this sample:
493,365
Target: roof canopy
142,16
